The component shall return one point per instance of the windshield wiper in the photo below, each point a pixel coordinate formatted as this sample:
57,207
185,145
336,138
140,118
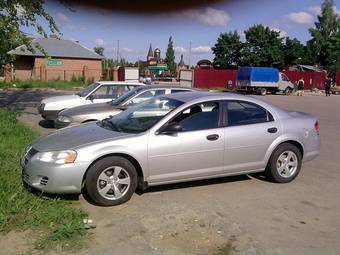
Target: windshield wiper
107,123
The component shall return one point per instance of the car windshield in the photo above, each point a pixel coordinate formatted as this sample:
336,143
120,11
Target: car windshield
141,117
85,91
126,96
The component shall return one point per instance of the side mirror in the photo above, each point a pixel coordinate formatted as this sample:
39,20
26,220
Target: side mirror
91,97
171,128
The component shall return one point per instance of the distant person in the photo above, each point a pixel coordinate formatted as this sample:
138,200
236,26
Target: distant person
328,84
300,87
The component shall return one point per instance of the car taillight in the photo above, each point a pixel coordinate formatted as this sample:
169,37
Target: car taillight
317,127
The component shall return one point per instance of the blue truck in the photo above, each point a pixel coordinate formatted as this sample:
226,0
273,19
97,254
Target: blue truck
263,80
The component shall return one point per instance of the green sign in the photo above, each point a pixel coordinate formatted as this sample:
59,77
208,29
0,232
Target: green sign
54,62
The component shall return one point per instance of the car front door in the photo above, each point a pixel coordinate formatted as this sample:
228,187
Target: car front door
195,152
250,130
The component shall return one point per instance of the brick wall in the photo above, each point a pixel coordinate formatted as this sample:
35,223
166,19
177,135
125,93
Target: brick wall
26,68
70,68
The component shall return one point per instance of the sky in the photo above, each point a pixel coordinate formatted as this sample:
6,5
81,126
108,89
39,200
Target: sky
199,26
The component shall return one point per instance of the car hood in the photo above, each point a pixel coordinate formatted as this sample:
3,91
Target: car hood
60,98
73,137
89,109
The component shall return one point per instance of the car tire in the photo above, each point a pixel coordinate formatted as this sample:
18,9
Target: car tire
111,181
288,91
284,164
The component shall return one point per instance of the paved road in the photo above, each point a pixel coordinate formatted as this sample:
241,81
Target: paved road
235,215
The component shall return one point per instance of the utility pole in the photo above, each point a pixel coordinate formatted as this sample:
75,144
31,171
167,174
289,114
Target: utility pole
190,55
117,52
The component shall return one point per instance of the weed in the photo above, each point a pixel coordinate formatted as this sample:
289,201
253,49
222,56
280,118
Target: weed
54,222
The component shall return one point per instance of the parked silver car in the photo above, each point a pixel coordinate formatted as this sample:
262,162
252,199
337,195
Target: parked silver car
97,92
174,138
95,112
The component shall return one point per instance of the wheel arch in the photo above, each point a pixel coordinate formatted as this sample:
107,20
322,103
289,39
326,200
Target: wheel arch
289,141
141,183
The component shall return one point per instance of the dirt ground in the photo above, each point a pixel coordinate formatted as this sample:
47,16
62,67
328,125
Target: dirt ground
235,215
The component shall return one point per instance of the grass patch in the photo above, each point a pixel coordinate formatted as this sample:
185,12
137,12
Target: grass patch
64,85
54,222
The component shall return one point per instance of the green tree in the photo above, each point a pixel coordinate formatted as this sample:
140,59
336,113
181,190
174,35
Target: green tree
293,52
326,37
99,50
170,57
263,47
227,51
16,15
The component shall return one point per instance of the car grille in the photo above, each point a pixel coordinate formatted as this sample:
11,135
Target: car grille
44,181
41,108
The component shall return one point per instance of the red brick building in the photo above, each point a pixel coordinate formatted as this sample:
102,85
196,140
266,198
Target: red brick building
66,60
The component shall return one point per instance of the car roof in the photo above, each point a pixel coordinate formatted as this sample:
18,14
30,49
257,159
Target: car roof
167,87
199,96
120,83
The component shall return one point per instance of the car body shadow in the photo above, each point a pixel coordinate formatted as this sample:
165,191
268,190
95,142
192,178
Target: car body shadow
191,184
47,124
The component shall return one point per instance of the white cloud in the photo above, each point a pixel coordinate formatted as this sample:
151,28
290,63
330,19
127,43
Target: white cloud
62,17
208,16
201,50
99,42
179,49
303,18
315,9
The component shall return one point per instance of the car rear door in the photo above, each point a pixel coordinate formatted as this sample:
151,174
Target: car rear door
250,130
195,152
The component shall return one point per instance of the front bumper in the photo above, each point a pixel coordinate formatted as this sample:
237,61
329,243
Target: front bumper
59,124
53,178
49,115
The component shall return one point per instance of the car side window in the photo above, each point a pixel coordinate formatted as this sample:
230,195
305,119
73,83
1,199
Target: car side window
179,90
102,92
245,113
110,91
146,95
199,117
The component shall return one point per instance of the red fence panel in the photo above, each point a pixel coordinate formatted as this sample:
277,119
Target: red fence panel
214,78
311,79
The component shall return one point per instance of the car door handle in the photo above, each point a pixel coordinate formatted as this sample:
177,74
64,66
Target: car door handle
272,130
212,137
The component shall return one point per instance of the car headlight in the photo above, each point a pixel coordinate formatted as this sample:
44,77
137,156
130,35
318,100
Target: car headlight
62,118
58,157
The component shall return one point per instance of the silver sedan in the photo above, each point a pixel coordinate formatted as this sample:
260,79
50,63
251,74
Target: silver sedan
173,138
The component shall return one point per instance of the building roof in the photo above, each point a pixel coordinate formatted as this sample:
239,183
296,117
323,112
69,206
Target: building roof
150,53
56,48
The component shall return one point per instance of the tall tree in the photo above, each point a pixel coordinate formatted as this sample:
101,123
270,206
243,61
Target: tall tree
263,47
99,50
15,15
170,57
325,36
227,51
293,52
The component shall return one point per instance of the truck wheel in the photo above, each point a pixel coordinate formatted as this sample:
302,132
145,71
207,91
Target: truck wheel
263,92
111,181
288,91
